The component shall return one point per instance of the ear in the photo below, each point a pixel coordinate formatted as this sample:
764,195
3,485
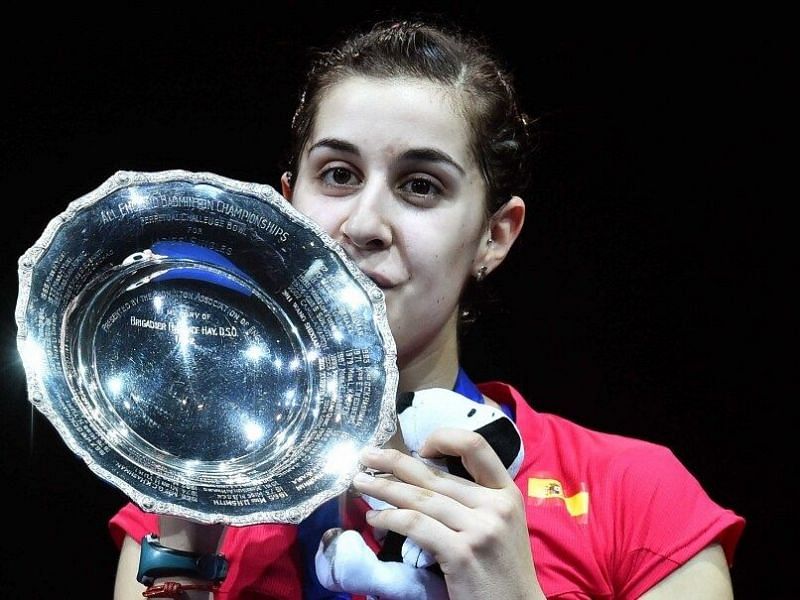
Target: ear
286,186
501,232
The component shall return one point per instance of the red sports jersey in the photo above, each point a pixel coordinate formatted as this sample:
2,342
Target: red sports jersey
608,516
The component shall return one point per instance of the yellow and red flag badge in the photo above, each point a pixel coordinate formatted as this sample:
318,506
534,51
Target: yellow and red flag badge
577,505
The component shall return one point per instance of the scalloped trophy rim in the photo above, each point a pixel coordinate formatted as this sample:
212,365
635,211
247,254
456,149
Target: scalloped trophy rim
37,392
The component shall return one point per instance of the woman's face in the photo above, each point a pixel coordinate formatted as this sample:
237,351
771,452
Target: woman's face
387,172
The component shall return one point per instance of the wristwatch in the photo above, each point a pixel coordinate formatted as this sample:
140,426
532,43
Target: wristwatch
157,561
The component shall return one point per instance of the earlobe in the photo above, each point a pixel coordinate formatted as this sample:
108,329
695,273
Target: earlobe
286,185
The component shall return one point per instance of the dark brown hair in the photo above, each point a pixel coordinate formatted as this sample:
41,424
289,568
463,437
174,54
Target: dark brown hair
501,140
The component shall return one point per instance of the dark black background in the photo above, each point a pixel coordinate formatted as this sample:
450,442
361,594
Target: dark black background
647,295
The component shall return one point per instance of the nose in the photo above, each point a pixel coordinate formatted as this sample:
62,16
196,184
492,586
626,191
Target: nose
367,225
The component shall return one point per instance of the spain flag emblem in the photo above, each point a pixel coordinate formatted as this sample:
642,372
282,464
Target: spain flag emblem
577,505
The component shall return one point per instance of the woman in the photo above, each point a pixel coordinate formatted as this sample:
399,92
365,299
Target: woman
409,150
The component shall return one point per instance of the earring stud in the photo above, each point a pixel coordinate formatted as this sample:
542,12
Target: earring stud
481,274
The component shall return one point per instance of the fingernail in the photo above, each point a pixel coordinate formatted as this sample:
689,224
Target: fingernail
362,477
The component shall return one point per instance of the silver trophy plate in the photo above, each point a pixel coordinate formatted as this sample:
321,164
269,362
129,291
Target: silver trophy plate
205,348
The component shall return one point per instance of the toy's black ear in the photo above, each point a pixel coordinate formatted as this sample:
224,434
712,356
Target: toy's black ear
502,437
404,400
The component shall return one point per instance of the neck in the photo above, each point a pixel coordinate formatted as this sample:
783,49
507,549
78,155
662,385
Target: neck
435,364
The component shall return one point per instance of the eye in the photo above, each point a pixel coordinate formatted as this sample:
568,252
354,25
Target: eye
421,188
338,176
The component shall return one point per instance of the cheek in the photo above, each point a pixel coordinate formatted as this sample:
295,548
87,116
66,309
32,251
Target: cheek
325,220
441,272
321,213
442,251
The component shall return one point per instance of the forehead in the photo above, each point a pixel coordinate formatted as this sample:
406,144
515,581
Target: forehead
388,115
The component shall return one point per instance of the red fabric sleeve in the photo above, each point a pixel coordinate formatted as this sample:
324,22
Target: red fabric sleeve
132,521
664,518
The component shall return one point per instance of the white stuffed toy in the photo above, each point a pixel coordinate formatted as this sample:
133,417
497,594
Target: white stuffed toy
403,570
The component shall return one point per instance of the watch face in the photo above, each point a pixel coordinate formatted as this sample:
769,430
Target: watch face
205,348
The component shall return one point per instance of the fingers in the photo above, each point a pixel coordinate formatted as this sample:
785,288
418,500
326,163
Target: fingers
413,471
476,454
427,532
444,509
454,519
480,460
488,530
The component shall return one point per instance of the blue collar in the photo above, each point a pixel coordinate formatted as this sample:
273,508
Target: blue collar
465,387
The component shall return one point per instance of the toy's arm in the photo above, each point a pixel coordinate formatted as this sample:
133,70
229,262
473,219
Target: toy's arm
345,563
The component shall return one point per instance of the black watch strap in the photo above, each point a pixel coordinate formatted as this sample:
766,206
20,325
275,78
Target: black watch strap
157,561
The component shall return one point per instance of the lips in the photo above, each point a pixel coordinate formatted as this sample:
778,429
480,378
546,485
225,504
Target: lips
380,280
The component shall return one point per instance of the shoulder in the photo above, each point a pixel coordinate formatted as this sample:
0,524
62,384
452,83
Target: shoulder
547,434
640,490
641,508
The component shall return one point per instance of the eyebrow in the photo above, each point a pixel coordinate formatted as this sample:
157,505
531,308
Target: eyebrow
335,144
423,154
431,155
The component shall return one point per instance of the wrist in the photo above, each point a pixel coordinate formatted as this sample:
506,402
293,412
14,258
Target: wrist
190,536
157,561
183,561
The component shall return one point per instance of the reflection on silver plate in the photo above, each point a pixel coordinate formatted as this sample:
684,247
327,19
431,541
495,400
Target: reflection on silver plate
205,348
